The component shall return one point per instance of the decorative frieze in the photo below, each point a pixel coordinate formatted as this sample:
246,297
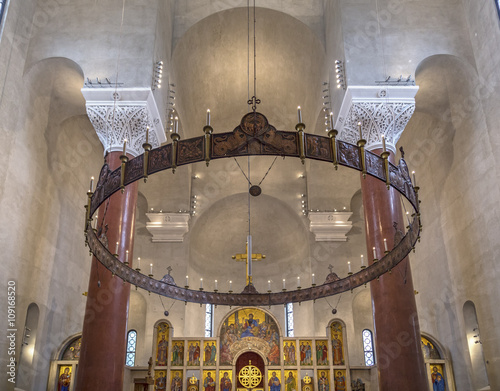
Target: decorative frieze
330,226
168,227
124,114
382,110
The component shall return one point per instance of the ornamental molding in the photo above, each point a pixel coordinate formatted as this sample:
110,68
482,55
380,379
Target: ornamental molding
124,113
330,226
168,227
382,110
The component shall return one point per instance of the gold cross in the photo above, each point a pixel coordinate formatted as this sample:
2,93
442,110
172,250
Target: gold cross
243,258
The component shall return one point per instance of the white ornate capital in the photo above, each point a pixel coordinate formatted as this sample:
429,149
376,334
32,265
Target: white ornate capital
330,226
382,110
124,113
168,227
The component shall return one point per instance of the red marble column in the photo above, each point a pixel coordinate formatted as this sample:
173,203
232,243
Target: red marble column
399,358
102,356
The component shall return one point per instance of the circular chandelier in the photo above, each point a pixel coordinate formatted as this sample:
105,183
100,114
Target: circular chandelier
254,136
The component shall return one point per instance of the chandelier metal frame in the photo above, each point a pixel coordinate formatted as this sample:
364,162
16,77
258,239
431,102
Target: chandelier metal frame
254,136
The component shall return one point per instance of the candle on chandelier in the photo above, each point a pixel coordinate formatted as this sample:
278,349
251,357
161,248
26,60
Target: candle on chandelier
147,135
151,268
138,262
383,142
208,117
362,260
268,285
385,244
230,285
374,253
176,125
312,278
116,250
299,112
359,131
124,146
349,267
215,284
91,184
126,256
187,280
298,282
331,119
414,180
201,283
284,285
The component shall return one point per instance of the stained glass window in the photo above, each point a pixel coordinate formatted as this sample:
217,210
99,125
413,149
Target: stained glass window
289,319
131,344
209,320
368,348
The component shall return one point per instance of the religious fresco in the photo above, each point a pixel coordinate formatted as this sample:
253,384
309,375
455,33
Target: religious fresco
289,353
337,336
429,350
305,352
339,380
274,380
225,382
193,384
209,380
322,352
437,377
160,380
210,353
307,382
162,334
290,380
72,352
323,379
249,327
194,351
177,353
176,382
64,377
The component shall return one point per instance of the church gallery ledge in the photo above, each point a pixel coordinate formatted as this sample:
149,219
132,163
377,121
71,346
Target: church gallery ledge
254,136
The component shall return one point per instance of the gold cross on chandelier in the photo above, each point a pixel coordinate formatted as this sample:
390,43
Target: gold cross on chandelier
244,258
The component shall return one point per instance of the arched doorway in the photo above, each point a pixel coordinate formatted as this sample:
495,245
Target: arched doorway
250,371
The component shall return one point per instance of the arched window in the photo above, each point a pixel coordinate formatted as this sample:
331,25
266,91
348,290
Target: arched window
497,4
209,320
3,4
368,348
289,319
131,345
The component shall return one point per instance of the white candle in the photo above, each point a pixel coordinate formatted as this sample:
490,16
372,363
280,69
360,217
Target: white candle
313,278
374,253
230,285
362,260
116,250
385,244
176,125
349,266
147,135
383,142
268,285
138,262
284,285
331,120
208,117
124,146
298,282
201,283
299,112
187,280
359,131
414,180
150,268
126,256
91,184
215,284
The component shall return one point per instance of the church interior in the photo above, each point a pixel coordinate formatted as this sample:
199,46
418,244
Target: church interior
254,168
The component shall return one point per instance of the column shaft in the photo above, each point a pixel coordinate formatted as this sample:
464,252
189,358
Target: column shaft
397,333
102,356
